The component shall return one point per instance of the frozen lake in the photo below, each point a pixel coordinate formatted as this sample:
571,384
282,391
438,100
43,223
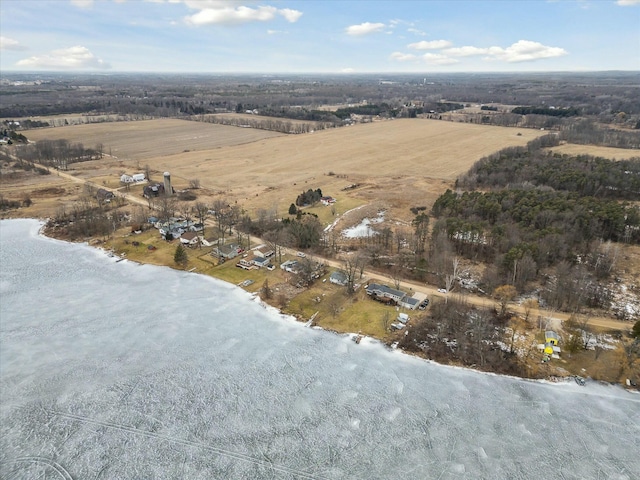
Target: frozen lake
124,371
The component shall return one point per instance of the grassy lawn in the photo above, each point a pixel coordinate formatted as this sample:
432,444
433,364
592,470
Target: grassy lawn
340,312
232,274
122,244
336,310
343,204
361,314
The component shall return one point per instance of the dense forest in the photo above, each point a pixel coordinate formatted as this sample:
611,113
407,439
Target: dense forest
584,174
526,211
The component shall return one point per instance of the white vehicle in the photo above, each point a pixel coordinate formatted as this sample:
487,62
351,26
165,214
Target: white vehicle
301,254
442,290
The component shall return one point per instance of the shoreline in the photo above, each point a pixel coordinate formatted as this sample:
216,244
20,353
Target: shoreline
289,318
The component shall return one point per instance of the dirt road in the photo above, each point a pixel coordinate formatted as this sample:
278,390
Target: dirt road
549,317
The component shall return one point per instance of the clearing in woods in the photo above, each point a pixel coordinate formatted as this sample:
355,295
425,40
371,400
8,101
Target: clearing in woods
596,151
402,162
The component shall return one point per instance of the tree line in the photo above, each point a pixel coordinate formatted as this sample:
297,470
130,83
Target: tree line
550,111
282,126
58,153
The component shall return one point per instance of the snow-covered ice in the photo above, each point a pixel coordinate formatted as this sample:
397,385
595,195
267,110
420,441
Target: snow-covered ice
364,228
118,370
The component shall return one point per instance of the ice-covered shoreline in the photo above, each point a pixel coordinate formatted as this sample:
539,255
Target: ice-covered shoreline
294,321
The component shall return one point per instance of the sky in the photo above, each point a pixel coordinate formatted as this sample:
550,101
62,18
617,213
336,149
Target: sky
309,36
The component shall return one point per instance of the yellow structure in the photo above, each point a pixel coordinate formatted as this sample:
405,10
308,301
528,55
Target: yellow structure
551,341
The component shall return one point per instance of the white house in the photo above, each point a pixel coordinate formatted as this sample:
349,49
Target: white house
263,251
138,177
260,261
190,239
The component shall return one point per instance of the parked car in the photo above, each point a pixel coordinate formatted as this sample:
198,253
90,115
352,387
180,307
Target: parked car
301,254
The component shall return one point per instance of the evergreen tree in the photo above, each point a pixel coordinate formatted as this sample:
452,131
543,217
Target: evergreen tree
180,257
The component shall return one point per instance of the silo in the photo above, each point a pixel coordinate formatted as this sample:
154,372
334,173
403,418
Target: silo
167,184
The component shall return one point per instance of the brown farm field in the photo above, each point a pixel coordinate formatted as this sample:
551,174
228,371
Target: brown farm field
596,151
398,163
139,140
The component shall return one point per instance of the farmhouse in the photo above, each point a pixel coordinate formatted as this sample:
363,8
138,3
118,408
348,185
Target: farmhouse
327,200
135,178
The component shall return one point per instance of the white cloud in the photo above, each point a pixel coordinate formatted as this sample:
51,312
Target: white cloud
82,3
75,58
439,59
365,28
291,16
627,3
525,51
521,51
223,13
415,31
432,45
7,43
466,51
403,57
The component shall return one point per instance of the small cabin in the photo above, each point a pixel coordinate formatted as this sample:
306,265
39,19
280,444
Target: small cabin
551,337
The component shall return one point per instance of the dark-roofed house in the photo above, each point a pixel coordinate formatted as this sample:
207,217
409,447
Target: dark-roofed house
383,292
409,302
190,239
260,261
386,294
103,195
225,251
